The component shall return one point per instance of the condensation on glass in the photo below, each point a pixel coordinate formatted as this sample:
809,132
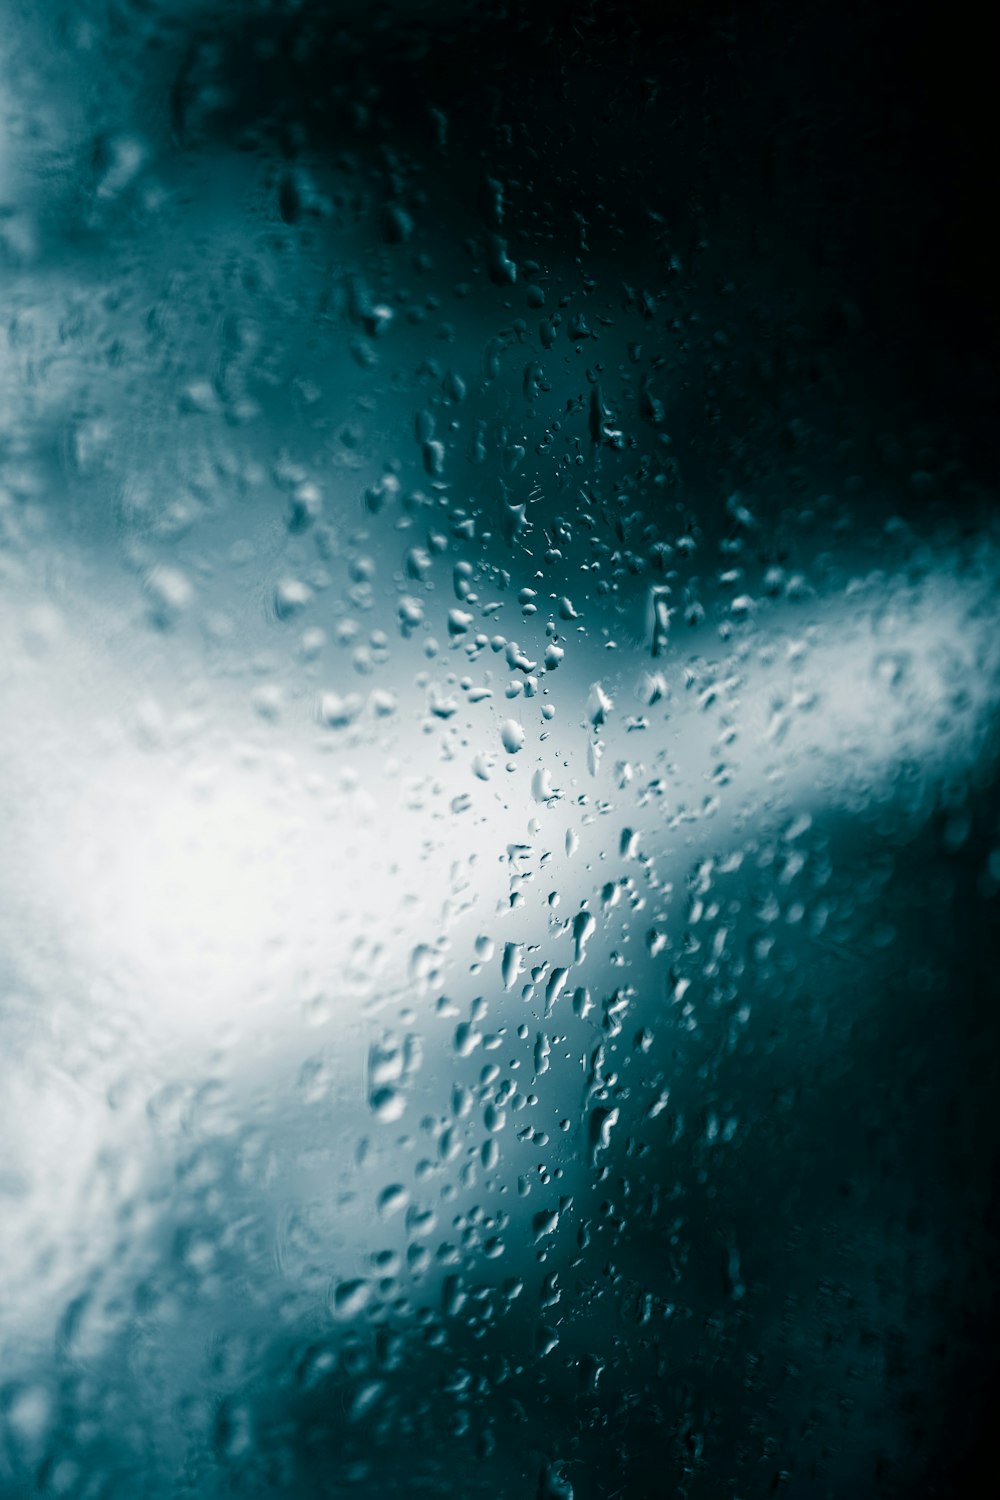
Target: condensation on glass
496,710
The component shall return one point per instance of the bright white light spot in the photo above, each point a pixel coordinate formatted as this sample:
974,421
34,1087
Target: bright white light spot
203,893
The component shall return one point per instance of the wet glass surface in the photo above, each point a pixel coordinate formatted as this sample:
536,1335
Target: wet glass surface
498,753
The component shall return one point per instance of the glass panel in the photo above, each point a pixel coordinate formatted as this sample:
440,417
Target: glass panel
498,576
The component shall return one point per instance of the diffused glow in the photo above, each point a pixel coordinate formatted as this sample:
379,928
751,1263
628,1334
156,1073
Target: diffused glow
206,884
208,890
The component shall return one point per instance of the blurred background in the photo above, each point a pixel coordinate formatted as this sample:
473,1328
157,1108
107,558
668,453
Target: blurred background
498,750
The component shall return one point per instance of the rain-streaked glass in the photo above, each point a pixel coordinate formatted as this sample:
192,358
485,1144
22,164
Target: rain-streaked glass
498,606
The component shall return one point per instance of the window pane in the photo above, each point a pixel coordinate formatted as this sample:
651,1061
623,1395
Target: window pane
498,576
